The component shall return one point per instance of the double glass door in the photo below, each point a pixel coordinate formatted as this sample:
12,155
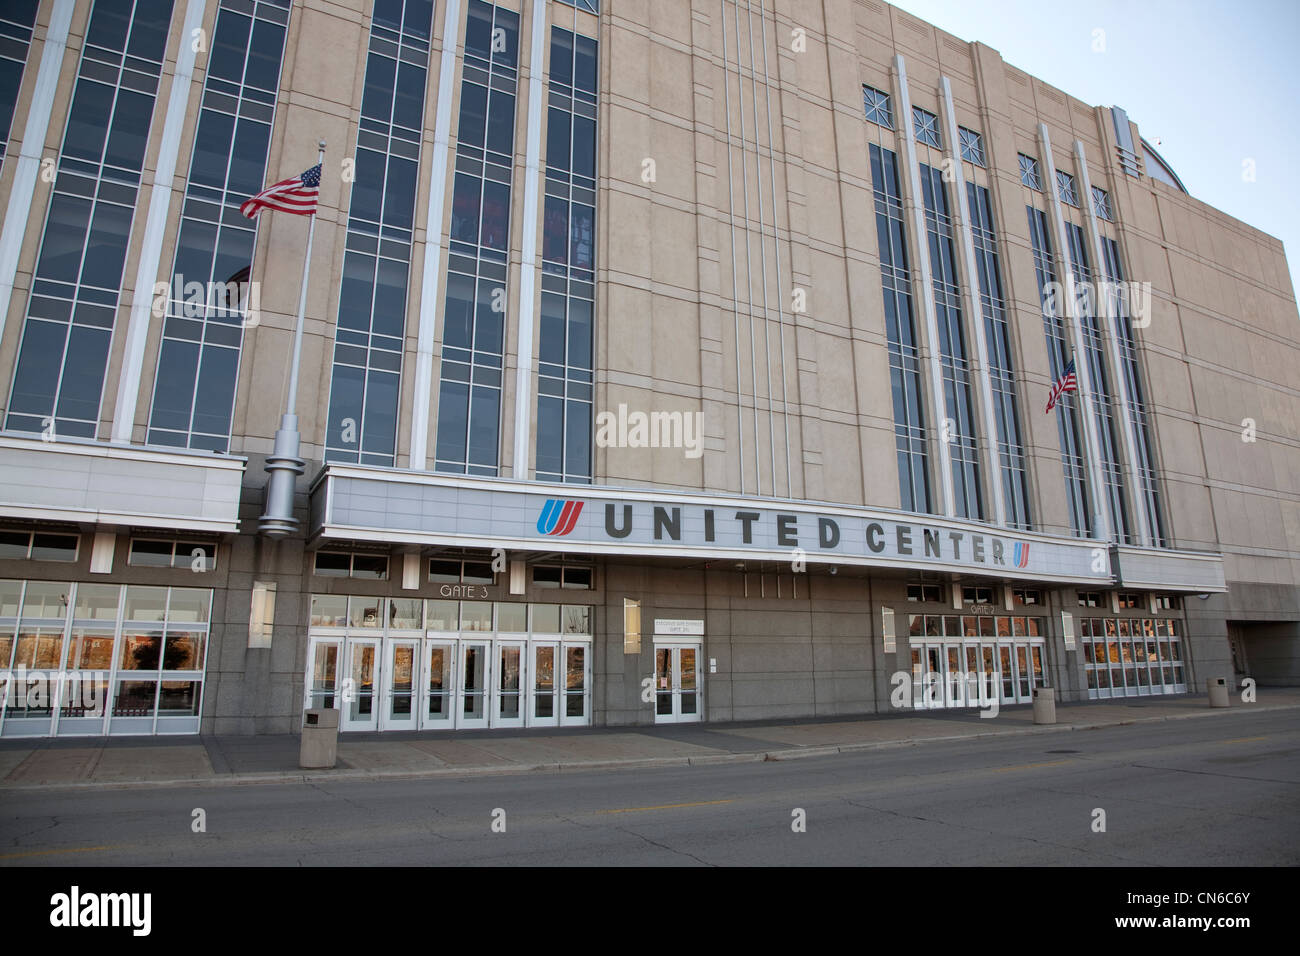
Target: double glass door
558,682
677,691
967,674
342,673
415,683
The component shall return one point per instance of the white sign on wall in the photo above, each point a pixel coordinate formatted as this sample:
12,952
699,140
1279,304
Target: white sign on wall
674,626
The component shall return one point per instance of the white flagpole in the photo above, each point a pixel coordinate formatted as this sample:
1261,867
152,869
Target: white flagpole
283,464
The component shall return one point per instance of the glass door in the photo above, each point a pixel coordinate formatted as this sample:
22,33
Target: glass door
918,687
954,685
359,707
972,675
401,672
437,709
543,708
990,678
1036,663
1008,674
475,676
577,680
1022,674
664,709
935,678
688,689
508,687
323,672
677,689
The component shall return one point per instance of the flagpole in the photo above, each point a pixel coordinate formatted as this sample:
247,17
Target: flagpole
283,464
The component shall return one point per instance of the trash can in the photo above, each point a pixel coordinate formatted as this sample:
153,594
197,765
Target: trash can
320,739
1044,705
1218,690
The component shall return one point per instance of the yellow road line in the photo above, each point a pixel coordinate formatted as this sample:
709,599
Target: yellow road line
669,806
78,849
1244,740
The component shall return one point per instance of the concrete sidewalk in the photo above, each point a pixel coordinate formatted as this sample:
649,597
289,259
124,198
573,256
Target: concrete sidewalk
207,761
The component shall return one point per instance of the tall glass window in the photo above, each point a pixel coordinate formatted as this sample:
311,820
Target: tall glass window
473,335
198,365
370,336
1058,356
1113,270
959,430
16,21
1002,372
564,371
900,329
1108,435
59,377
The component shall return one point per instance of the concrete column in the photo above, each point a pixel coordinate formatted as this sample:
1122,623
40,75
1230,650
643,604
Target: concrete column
530,267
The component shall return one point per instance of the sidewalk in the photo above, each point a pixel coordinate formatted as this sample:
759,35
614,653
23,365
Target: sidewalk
214,761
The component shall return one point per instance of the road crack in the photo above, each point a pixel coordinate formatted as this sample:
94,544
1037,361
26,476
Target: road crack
664,846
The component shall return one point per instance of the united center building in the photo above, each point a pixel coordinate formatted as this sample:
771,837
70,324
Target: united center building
661,362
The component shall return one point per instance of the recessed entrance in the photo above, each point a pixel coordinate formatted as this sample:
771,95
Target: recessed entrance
961,661
383,671
677,689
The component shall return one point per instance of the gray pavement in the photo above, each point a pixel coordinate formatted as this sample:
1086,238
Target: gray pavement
224,760
1199,793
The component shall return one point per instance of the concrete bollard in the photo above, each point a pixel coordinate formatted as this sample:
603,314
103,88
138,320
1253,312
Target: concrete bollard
320,739
1217,688
1044,705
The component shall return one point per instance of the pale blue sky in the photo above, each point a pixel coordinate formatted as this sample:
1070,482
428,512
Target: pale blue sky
1215,81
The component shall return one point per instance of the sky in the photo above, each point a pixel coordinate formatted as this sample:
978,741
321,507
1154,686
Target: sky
1210,83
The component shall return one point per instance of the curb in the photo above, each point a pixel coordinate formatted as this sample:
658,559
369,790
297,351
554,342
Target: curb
631,763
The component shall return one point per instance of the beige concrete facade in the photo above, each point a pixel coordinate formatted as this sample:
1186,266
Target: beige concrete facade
737,275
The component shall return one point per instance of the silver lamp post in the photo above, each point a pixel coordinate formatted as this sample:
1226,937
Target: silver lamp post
283,464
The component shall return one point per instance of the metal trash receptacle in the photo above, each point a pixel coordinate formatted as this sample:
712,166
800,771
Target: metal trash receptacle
1044,705
1217,687
320,739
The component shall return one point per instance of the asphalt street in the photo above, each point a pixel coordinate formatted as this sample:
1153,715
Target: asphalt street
1222,791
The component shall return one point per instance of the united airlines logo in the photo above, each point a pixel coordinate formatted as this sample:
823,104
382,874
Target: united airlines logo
1020,556
558,516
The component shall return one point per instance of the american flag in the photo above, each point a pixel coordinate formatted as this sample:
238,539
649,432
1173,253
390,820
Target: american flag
1066,383
297,195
